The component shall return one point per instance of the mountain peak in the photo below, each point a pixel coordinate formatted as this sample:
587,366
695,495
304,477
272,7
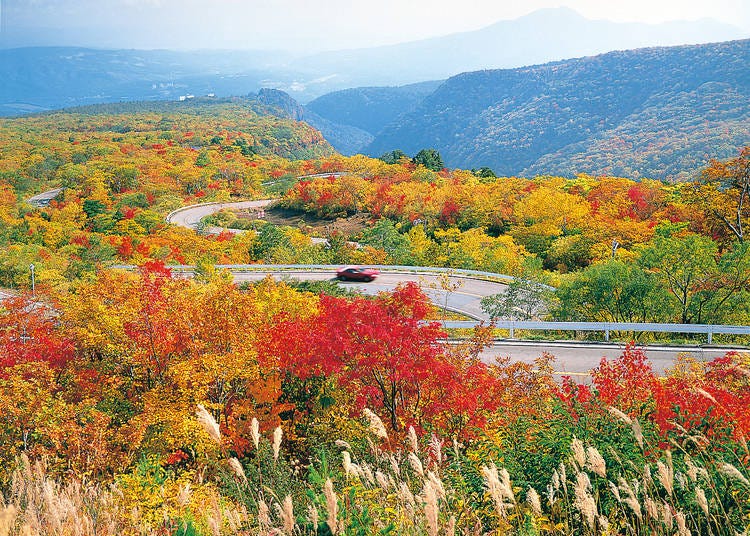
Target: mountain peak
547,12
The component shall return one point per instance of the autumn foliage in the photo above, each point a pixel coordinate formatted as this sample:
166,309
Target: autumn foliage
103,370
387,357
29,333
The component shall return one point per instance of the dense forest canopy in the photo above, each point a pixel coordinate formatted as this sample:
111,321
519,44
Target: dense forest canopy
659,113
136,402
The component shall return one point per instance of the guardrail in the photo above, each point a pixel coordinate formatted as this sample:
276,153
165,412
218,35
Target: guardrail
281,268
510,325
607,327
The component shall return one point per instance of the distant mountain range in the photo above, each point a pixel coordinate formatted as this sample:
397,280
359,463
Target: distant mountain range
542,36
36,79
655,112
42,78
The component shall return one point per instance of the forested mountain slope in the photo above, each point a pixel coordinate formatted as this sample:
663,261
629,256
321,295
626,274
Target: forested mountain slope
371,108
656,112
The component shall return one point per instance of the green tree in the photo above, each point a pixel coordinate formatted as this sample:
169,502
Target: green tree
612,291
393,157
484,173
71,175
203,159
686,265
123,178
524,300
429,158
92,207
384,235
731,290
269,238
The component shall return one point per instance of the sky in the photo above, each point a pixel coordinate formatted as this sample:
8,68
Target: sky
306,25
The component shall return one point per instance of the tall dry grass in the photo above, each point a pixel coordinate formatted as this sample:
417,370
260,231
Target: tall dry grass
38,505
418,490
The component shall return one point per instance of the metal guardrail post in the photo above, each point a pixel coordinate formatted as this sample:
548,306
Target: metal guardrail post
606,334
710,333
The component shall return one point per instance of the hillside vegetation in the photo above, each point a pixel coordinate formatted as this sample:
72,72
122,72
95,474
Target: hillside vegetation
660,113
123,172
123,167
141,403
370,108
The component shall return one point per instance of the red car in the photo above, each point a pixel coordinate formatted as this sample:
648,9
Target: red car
356,273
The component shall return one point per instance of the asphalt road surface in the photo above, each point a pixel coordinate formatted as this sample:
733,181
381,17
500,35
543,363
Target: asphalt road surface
572,358
576,359
43,199
191,216
464,299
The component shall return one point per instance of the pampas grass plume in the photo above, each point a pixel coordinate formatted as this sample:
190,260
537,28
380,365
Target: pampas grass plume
630,498
534,501
436,448
264,518
682,529
255,432
692,470
450,530
237,469
313,516
700,497
431,508
7,519
277,433
183,496
382,480
208,423
668,518
666,477
332,506
286,511
508,488
620,415
579,453
343,444
346,463
596,462
414,442
437,484
376,425
416,464
732,472
583,501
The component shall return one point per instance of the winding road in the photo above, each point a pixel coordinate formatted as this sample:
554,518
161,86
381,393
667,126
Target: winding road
574,358
463,299
191,216
43,199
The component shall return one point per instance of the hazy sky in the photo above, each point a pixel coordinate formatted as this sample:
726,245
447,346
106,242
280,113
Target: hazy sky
306,24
